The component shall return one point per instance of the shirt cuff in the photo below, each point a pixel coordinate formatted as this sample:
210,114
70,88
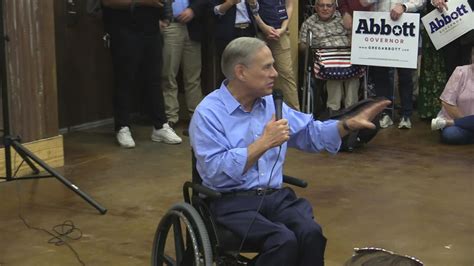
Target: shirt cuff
217,11
331,137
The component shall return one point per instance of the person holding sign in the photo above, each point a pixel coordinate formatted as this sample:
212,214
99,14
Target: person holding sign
455,53
405,75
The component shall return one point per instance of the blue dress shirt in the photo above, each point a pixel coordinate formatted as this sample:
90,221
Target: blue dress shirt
179,6
221,130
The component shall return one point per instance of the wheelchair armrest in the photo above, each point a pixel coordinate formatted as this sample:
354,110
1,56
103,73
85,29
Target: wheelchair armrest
294,181
202,190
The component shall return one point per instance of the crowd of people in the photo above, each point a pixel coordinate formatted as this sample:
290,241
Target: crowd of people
150,40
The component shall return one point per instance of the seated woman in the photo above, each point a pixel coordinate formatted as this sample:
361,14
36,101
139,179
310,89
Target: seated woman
456,118
329,32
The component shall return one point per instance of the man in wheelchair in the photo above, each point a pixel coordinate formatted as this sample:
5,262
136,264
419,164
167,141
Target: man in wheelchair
240,149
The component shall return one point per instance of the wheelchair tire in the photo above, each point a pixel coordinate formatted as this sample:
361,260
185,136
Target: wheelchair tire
196,238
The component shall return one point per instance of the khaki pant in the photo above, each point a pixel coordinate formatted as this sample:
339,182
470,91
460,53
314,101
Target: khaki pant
335,88
284,66
180,50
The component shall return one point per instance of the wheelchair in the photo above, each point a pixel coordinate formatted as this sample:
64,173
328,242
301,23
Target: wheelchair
189,235
313,91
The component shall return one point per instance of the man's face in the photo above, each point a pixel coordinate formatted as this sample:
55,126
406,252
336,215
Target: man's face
260,75
325,9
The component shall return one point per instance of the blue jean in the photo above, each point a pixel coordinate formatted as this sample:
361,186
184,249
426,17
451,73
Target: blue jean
462,132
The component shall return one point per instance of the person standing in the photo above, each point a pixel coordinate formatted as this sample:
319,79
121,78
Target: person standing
135,44
182,48
272,19
233,19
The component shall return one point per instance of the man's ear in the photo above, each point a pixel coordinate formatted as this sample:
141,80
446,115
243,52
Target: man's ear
240,72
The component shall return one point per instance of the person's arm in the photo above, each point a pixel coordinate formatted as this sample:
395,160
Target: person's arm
124,4
362,119
275,134
302,45
269,32
198,7
224,7
222,164
284,23
451,92
347,21
397,11
414,5
440,4
453,111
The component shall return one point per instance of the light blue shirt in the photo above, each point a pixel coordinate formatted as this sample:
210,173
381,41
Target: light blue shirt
241,14
179,6
221,130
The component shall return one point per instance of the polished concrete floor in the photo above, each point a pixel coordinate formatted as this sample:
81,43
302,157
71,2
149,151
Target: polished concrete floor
403,191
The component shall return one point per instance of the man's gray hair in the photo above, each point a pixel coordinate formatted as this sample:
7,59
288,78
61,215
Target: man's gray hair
239,51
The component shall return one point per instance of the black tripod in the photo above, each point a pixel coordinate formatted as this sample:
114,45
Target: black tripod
14,143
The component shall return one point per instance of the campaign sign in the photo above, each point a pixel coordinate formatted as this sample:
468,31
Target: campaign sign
377,40
446,27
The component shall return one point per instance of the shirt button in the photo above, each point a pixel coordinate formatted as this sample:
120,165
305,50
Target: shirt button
262,174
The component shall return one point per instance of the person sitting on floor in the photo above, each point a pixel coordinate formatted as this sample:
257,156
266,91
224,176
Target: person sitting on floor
456,118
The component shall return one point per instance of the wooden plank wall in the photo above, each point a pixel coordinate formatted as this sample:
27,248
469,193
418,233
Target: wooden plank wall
31,68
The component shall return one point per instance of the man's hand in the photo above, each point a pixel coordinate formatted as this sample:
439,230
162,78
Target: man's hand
164,23
397,11
275,133
270,33
185,16
363,119
440,5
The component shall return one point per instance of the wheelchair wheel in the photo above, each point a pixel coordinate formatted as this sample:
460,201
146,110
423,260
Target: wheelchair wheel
190,240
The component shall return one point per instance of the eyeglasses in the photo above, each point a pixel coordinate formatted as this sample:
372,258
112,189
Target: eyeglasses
325,5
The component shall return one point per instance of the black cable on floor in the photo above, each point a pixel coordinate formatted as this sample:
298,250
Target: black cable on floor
62,232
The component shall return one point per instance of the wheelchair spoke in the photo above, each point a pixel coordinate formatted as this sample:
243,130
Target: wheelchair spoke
178,240
169,261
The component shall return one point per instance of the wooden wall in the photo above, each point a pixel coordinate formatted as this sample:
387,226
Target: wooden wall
85,77
31,68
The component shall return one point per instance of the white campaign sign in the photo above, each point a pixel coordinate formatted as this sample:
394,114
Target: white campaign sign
446,27
377,40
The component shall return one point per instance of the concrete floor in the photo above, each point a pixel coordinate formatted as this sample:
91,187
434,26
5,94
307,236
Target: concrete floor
403,191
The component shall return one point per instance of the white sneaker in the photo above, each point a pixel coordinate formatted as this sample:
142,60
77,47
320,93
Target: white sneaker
385,121
438,123
165,134
405,123
124,138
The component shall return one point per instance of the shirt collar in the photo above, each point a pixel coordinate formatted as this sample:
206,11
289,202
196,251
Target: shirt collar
231,104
